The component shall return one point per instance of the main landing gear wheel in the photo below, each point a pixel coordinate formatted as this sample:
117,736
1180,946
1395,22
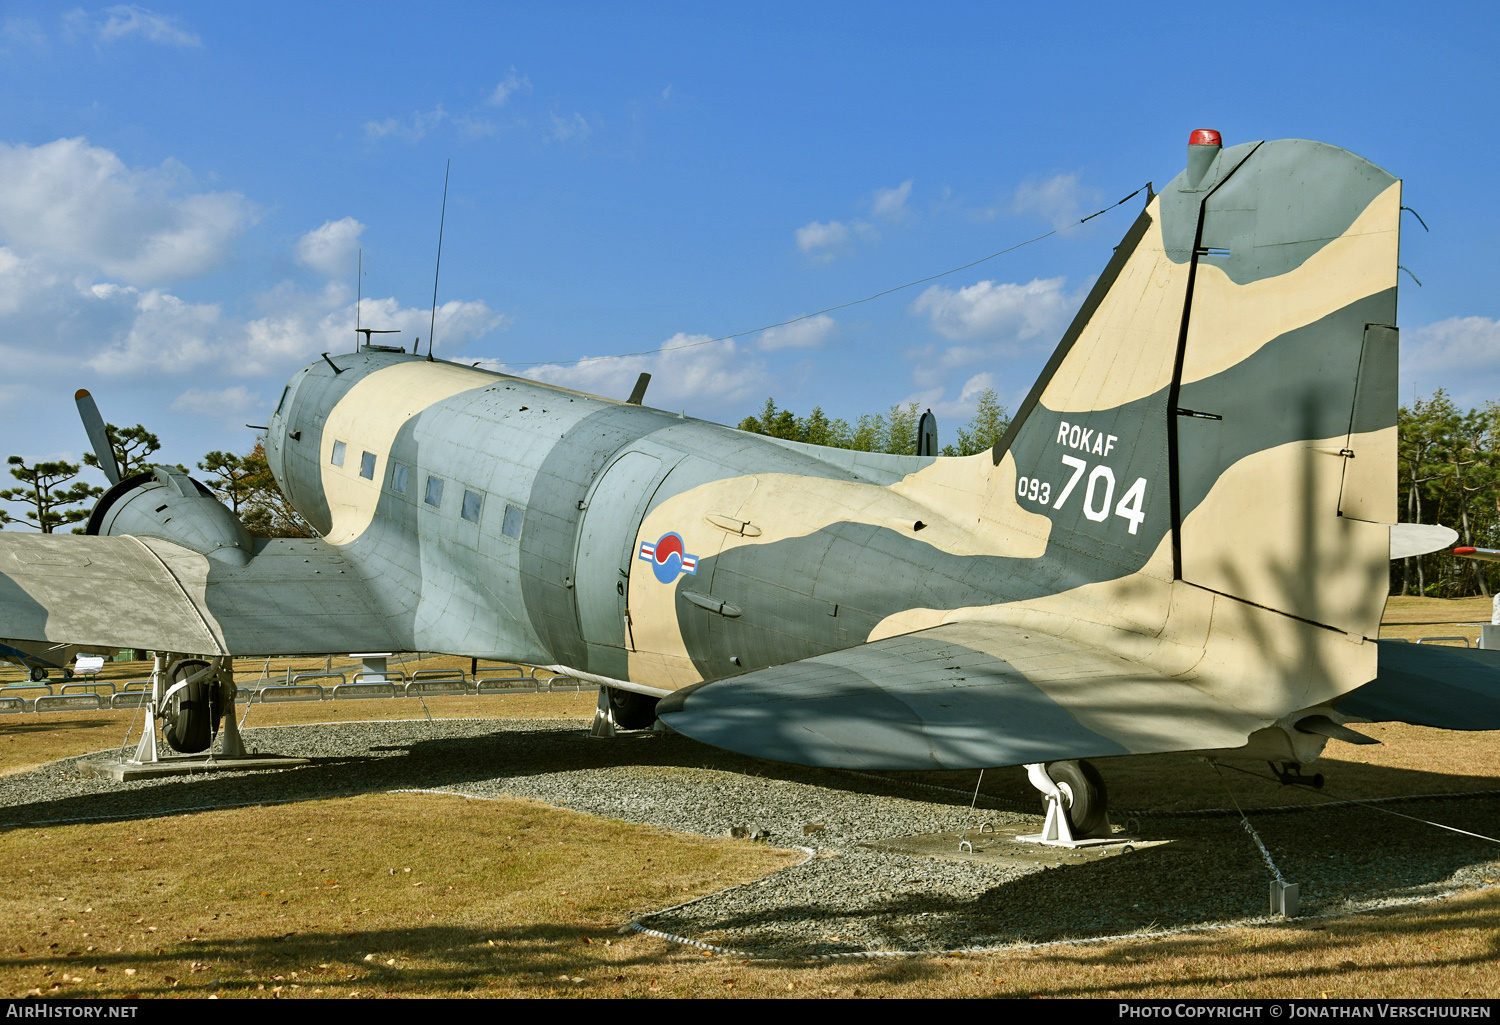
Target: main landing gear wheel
38,674
632,711
1087,804
194,712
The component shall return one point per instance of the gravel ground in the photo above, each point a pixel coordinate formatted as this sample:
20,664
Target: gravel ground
845,898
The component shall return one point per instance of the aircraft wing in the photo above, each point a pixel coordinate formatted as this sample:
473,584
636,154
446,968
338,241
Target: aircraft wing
956,696
1431,685
295,596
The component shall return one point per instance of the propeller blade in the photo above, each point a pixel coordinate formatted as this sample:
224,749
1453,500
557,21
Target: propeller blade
93,423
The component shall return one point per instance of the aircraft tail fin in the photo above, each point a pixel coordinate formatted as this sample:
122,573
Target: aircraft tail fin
1227,393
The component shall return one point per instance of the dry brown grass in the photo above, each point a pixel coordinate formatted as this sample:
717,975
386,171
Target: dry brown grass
416,895
1412,618
512,898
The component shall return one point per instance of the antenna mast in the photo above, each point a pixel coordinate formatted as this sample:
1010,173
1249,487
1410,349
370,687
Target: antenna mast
432,324
359,293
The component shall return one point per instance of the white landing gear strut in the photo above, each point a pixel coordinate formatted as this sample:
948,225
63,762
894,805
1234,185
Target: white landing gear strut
1078,790
604,718
169,678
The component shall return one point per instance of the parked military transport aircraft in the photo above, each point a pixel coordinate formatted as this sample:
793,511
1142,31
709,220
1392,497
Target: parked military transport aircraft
1181,543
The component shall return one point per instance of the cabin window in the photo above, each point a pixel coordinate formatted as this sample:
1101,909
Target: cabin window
338,453
399,476
434,495
472,505
367,466
512,525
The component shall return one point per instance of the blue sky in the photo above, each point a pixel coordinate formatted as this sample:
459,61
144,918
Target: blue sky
183,189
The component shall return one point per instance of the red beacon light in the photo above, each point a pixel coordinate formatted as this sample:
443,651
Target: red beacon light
1205,137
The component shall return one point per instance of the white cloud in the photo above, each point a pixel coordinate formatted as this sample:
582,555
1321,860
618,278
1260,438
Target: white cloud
166,333
575,126
330,249
407,131
1461,354
130,20
512,84
817,235
891,203
226,403
162,333
990,310
1059,199
299,330
79,204
804,334
701,377
21,279
25,31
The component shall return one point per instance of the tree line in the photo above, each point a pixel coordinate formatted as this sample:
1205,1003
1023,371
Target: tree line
50,497
894,432
1448,472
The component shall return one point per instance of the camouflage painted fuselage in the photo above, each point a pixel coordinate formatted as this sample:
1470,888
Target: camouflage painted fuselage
1199,483
1181,543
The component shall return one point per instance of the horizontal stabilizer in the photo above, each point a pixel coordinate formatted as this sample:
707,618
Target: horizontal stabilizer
1431,685
1411,539
956,696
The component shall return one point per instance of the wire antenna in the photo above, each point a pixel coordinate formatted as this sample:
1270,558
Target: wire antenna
432,324
359,294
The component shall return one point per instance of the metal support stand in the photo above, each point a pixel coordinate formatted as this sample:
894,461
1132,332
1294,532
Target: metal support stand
1056,832
233,745
150,762
604,718
146,751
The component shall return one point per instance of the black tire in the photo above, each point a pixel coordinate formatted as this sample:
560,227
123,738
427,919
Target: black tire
67,674
38,674
1088,810
193,714
632,711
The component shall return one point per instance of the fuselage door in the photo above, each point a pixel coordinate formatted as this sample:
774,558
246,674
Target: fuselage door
605,555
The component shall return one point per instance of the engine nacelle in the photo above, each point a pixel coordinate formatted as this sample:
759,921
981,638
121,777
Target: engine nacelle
172,506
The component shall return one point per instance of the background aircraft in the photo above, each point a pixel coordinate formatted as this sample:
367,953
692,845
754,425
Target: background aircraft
41,660
1181,544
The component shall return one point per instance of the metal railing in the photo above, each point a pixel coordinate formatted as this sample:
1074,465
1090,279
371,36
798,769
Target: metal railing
292,692
391,684
87,688
67,703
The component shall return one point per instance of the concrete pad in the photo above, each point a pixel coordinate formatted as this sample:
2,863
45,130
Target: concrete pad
185,765
1002,848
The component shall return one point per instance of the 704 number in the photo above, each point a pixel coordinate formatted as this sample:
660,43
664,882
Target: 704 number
1097,495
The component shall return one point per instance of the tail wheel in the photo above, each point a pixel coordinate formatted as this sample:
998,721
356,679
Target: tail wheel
632,711
194,712
1087,800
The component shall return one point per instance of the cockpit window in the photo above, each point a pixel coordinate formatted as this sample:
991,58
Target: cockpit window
284,393
338,453
434,496
399,476
367,466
